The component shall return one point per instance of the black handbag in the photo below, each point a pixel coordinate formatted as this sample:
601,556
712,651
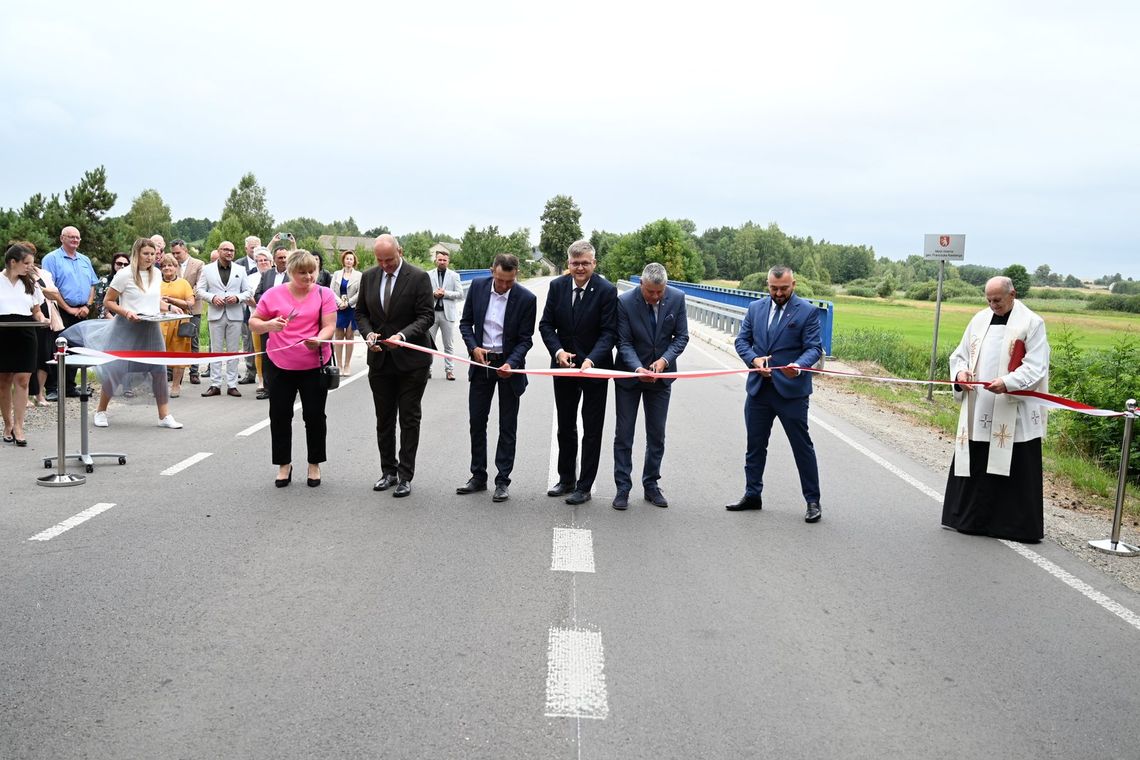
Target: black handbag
186,329
330,372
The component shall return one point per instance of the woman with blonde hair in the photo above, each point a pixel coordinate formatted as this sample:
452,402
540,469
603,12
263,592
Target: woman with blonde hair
297,316
135,291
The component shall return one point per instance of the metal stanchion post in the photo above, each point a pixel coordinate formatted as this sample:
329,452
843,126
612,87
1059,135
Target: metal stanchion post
1114,545
61,477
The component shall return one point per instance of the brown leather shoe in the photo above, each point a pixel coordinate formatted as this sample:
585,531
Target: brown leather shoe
234,392
213,390
450,375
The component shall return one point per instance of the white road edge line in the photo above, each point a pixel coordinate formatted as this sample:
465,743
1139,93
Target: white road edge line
1106,602
575,677
1070,580
187,462
265,423
71,522
573,550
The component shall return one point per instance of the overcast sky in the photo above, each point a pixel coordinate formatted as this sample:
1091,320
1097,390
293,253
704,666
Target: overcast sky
1017,124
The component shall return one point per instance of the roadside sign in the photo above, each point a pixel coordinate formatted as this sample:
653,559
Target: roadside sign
941,247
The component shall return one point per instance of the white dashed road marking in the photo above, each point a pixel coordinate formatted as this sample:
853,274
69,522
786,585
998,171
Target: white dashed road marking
71,522
573,550
187,462
575,681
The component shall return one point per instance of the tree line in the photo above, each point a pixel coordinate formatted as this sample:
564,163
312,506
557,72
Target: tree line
740,253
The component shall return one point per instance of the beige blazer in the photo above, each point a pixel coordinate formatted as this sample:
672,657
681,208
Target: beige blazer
353,286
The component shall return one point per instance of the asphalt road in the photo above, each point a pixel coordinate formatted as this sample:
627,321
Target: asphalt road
208,614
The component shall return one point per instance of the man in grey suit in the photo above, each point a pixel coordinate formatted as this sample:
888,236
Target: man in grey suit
652,332
223,286
448,292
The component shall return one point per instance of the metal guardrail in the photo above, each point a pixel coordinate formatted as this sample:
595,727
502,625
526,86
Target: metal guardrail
718,316
732,298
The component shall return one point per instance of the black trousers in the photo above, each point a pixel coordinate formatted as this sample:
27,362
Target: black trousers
287,383
568,392
480,393
396,396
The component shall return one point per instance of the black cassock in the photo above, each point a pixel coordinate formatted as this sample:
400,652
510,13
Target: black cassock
996,505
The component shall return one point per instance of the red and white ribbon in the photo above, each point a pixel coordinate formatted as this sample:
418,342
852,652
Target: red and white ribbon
180,358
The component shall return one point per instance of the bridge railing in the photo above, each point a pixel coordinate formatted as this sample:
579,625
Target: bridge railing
717,306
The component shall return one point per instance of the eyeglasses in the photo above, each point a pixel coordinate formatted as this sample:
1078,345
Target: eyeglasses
231,250
119,264
581,263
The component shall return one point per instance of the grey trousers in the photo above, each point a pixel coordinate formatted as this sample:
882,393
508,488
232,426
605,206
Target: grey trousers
225,335
446,329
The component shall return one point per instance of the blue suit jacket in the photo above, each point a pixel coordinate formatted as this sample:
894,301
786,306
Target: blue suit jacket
591,332
796,340
518,326
639,344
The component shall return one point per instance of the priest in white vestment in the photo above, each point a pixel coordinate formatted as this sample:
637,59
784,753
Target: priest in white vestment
995,483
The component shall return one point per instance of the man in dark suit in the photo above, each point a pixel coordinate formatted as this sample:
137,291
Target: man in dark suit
653,330
779,331
579,328
498,328
396,302
276,274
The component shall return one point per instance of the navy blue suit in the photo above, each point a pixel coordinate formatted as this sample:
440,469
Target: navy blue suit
518,337
589,332
642,340
794,340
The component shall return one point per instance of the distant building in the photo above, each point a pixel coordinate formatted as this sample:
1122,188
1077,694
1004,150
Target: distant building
334,244
449,248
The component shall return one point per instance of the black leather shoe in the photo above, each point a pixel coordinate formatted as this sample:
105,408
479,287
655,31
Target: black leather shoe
621,501
282,482
472,486
746,502
247,380
578,497
385,482
814,512
402,489
501,494
656,498
561,489
313,482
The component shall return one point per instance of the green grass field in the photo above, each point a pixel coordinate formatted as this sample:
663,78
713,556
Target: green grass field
914,320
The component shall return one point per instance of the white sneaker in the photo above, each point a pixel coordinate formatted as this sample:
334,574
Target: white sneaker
169,422
101,419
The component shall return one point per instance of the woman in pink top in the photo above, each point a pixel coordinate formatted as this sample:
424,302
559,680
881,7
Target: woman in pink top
296,315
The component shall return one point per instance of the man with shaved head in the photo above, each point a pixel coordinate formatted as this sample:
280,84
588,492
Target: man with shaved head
396,302
75,278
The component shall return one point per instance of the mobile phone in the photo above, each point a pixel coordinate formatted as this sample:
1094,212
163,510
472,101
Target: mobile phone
286,235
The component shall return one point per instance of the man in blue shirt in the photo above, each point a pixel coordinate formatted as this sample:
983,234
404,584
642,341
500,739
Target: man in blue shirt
75,279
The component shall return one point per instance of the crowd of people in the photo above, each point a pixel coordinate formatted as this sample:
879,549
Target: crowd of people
279,303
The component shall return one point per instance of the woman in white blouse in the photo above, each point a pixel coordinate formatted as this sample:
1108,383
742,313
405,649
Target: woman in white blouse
20,301
135,290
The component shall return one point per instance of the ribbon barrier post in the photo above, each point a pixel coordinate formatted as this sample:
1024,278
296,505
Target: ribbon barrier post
1114,545
61,477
